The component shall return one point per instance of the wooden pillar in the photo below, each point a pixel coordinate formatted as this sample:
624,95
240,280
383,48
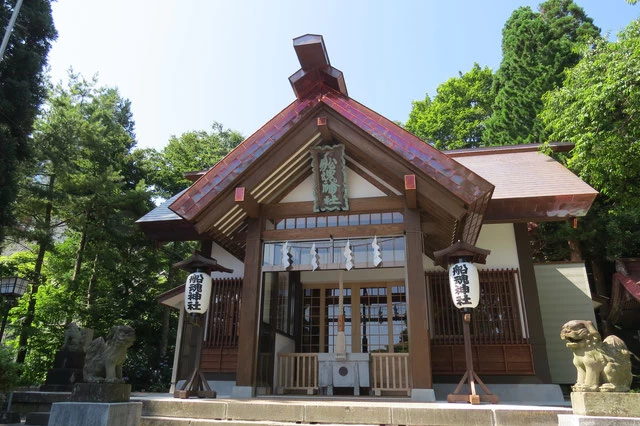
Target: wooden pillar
249,313
419,339
532,303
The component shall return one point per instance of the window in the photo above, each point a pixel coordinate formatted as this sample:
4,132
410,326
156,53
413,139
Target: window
375,318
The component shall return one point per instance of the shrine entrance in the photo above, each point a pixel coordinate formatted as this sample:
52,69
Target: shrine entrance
300,311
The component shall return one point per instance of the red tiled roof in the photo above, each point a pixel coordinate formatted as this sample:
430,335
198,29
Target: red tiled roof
216,179
447,172
458,179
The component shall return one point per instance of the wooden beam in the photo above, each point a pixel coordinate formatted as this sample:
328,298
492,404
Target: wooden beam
431,228
334,231
249,318
362,172
356,205
325,133
410,191
247,202
439,197
258,172
417,310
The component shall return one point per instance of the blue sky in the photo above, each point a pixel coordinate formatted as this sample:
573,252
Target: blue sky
185,63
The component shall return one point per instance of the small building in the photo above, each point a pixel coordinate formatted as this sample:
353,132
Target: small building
331,209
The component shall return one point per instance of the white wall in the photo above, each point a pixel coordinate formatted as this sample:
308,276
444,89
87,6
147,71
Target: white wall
357,187
227,260
500,238
563,290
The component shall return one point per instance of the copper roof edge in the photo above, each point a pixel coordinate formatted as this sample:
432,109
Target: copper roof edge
508,149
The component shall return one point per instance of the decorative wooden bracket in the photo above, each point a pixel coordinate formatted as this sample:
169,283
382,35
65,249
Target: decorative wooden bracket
247,202
323,127
410,192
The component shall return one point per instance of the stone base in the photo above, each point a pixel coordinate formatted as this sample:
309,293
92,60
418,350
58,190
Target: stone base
7,418
58,378
612,404
95,414
575,420
101,392
423,395
37,418
69,359
243,392
531,394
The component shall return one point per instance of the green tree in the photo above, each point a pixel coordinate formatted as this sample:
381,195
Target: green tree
598,109
191,152
22,90
455,116
83,143
537,48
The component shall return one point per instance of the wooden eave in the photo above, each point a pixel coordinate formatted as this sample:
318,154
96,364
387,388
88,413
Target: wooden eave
274,158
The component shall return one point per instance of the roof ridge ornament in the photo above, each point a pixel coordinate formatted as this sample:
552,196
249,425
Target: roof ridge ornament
316,70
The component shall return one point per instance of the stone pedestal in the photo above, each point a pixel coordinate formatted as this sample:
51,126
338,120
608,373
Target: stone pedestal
66,371
612,404
101,392
95,414
602,408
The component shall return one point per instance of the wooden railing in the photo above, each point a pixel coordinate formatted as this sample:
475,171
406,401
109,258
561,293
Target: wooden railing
297,372
390,372
221,330
496,320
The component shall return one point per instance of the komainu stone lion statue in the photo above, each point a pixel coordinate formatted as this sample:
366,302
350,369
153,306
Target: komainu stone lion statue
603,366
103,362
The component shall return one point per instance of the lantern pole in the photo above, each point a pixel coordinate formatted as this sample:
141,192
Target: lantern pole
470,375
465,292
197,384
197,298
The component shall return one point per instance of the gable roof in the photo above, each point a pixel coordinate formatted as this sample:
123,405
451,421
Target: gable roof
451,197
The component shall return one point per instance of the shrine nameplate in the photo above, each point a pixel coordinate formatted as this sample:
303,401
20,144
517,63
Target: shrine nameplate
329,178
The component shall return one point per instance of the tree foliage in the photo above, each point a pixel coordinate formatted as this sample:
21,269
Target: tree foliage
191,152
455,116
87,260
537,48
598,109
22,90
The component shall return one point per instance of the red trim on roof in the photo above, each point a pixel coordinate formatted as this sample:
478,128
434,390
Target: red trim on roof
453,176
221,175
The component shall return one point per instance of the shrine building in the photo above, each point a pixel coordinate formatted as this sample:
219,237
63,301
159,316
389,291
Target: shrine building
330,210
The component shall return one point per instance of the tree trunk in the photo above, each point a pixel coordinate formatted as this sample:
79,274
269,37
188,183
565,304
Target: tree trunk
164,337
91,291
166,317
77,266
43,245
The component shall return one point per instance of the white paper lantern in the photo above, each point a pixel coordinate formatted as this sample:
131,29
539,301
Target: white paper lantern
464,284
197,293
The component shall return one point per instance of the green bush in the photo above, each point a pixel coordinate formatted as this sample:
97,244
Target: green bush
8,373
